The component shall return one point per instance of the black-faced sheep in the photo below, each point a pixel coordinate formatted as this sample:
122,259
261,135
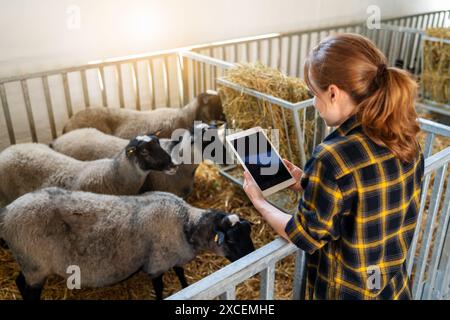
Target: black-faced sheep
127,124
28,167
109,238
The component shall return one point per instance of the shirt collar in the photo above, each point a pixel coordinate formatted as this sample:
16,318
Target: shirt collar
349,124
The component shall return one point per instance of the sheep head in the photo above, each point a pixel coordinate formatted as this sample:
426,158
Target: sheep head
148,154
232,237
209,107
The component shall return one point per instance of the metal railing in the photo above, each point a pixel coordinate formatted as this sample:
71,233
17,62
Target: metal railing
223,283
400,39
287,51
428,271
405,48
100,84
400,44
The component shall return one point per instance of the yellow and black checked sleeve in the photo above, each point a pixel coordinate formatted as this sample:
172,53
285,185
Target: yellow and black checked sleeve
320,209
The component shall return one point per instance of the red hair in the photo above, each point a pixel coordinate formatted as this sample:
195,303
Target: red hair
385,96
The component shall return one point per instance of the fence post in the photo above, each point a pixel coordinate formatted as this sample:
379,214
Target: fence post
267,287
183,61
299,276
229,294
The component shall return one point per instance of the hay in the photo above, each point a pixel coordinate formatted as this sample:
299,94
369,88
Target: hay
436,67
243,111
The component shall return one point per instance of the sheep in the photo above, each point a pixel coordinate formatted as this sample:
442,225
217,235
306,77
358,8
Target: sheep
91,144
127,124
112,237
30,166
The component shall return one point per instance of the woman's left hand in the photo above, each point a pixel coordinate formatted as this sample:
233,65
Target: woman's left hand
252,190
273,216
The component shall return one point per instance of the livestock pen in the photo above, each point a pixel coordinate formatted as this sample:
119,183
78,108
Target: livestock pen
35,106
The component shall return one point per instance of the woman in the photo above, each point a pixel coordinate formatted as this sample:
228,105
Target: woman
361,187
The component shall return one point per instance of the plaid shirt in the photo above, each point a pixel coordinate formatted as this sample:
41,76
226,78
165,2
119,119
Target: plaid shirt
356,218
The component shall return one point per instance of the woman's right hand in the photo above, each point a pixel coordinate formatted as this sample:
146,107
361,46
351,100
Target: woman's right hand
296,172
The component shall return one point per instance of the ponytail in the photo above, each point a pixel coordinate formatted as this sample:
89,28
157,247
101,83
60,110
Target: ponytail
385,96
388,115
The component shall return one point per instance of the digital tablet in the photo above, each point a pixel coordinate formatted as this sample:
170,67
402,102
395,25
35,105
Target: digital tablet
258,156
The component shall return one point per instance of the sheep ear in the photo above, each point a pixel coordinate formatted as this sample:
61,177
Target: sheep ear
219,238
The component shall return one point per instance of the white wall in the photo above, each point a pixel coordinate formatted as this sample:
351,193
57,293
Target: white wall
34,34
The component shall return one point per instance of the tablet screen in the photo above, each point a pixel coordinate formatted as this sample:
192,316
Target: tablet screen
262,162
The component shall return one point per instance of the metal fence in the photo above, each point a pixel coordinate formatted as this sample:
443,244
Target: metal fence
400,39
405,48
287,51
400,44
429,263
35,106
42,102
